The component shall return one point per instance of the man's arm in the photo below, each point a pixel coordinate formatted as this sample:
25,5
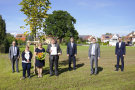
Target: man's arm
9,53
124,49
89,51
48,49
116,49
76,49
59,49
98,50
67,48
18,53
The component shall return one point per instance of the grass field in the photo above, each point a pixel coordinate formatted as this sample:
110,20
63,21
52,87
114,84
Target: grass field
107,79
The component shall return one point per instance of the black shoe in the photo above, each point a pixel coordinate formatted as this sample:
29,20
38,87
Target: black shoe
69,69
13,71
122,70
95,74
116,70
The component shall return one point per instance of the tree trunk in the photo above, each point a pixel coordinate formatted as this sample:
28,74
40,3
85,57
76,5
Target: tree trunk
34,58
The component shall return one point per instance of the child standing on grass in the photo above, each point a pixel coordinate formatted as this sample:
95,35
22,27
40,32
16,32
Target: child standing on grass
26,62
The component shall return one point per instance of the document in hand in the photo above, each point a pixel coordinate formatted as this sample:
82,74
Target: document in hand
54,50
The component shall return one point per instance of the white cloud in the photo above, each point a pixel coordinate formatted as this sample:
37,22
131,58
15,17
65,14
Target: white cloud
93,4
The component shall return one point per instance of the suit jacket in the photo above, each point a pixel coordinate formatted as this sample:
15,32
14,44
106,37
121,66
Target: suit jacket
71,50
120,50
11,52
23,56
56,45
97,50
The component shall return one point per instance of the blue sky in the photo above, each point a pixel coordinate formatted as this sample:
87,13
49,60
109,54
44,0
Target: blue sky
94,17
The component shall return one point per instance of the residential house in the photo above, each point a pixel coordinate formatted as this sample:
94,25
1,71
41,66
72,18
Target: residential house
106,38
113,40
21,37
130,38
87,38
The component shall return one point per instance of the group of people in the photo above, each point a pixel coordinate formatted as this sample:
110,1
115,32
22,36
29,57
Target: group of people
55,51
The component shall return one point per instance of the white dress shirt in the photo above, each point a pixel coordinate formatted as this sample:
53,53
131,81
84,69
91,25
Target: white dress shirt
93,49
119,44
54,50
72,44
14,50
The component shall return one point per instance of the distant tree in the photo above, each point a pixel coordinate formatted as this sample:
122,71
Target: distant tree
99,40
108,34
10,38
20,42
2,30
60,24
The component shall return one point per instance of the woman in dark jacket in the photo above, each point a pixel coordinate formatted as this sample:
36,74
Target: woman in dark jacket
26,62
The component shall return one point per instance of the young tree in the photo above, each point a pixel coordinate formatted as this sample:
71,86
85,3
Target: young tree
60,24
36,12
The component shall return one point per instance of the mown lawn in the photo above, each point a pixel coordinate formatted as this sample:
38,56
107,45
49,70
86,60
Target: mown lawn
107,79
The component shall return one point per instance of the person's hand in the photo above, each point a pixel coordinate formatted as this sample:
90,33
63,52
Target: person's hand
68,55
75,55
98,58
59,53
115,55
88,57
18,57
123,55
28,61
50,51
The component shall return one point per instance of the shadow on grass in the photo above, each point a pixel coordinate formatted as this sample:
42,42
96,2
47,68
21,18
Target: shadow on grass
119,66
100,69
46,71
65,62
62,70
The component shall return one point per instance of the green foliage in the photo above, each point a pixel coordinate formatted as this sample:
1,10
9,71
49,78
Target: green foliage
99,41
20,42
60,24
10,38
36,12
108,34
2,29
107,43
6,43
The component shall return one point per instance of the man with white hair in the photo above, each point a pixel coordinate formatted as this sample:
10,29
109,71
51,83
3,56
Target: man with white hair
14,55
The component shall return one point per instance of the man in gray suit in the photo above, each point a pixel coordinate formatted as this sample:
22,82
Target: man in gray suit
54,51
94,55
14,55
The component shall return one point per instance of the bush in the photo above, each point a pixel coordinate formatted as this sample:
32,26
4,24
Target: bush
4,47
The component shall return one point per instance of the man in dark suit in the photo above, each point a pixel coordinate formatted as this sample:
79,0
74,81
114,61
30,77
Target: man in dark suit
54,51
120,52
14,55
72,52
